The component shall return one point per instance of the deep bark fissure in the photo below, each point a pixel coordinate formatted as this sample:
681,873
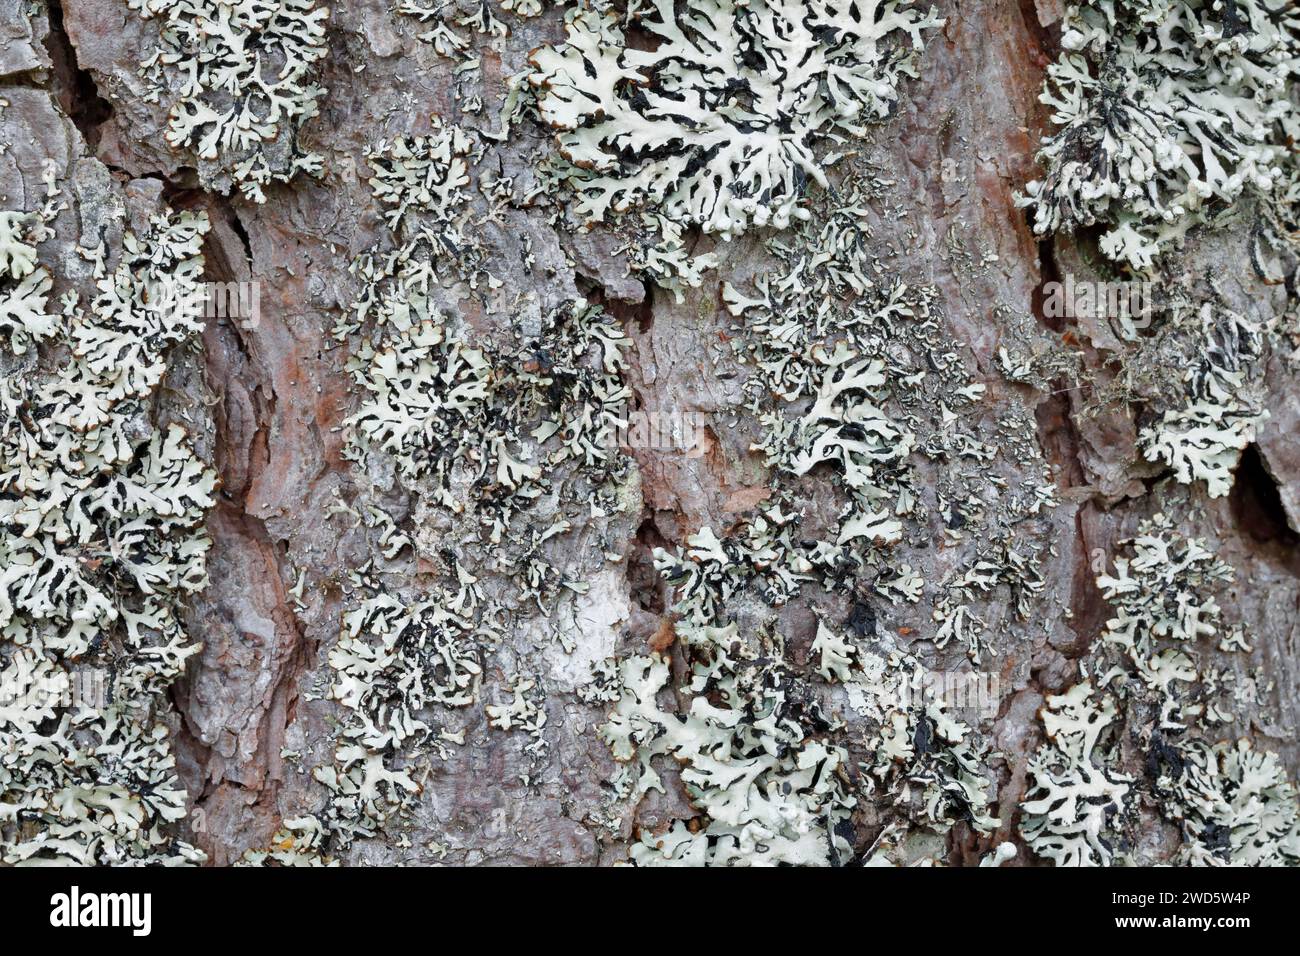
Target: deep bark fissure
75,87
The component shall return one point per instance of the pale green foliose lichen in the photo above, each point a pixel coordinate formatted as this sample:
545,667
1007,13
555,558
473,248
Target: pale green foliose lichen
1167,112
237,76
1202,438
723,123
1234,805
101,536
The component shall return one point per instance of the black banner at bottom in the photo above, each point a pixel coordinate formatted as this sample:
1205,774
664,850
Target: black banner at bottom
149,907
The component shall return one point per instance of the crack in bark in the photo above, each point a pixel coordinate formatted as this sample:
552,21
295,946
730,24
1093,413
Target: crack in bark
74,87
246,786
1256,506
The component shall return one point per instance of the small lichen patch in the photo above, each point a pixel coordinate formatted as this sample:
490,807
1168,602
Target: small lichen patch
238,77
1167,112
721,121
1234,805
1202,439
1073,797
